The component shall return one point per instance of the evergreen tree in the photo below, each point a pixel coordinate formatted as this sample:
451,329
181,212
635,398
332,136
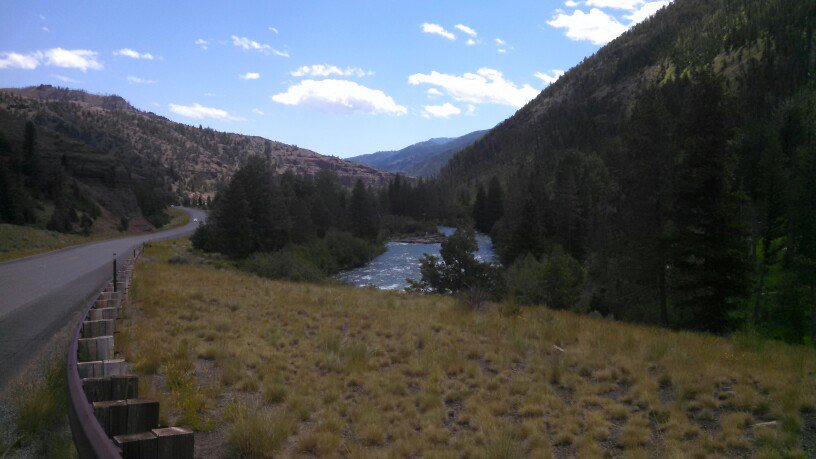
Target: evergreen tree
494,205
31,158
362,212
479,214
709,248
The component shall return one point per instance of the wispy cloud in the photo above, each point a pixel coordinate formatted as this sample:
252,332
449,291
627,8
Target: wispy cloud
200,112
250,76
65,79
248,44
465,29
339,97
204,44
486,86
436,29
549,78
127,52
274,30
136,80
324,70
257,111
81,59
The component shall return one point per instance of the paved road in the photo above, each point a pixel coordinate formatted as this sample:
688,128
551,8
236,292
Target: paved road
38,294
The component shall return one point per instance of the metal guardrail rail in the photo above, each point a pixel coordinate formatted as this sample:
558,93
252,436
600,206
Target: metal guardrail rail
107,418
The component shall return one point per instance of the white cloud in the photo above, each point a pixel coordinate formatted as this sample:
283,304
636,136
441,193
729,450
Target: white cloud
14,60
470,42
645,11
618,4
257,111
274,30
200,112
250,76
339,96
45,29
483,87
570,3
500,42
127,52
204,44
323,70
82,59
65,79
550,78
595,26
248,44
470,109
136,80
445,110
465,29
437,29
434,92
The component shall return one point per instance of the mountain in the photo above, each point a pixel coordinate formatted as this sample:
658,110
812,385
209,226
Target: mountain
675,166
120,158
421,159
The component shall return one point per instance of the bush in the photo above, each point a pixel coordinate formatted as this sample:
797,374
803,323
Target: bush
556,282
206,238
289,263
458,269
314,260
348,251
401,225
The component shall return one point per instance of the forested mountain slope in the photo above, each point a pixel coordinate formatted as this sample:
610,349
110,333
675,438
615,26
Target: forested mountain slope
422,159
130,162
676,165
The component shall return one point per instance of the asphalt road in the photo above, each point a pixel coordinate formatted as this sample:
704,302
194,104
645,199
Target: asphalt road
39,294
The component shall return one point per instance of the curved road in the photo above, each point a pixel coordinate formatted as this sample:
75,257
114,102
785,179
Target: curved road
38,294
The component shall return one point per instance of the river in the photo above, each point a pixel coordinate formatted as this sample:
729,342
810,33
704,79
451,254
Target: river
400,261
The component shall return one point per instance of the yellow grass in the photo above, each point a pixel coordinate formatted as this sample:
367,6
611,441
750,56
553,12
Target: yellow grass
286,369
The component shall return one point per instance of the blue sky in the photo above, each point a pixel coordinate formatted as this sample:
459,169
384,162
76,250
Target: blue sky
339,77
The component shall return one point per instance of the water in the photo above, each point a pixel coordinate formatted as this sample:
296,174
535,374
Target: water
400,261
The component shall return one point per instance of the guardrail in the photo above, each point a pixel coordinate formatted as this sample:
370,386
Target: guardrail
107,417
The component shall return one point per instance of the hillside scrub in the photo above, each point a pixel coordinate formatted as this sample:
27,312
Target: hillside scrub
333,370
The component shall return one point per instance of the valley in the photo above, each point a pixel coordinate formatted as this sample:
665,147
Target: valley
622,265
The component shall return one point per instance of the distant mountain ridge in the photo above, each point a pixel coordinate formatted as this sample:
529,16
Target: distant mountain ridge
421,159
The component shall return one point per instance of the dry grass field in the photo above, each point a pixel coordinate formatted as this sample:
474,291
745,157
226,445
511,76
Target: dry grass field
263,368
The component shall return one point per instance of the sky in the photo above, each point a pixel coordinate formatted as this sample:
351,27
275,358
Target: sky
341,78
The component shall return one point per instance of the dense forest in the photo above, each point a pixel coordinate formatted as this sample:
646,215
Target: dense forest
310,227
674,168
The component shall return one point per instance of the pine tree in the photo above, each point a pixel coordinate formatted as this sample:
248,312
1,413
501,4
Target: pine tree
494,205
362,212
480,217
31,159
709,248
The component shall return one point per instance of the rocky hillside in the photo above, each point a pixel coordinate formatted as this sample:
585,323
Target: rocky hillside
196,159
68,157
421,159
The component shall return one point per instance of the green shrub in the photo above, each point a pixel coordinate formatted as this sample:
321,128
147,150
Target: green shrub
314,260
557,282
289,263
